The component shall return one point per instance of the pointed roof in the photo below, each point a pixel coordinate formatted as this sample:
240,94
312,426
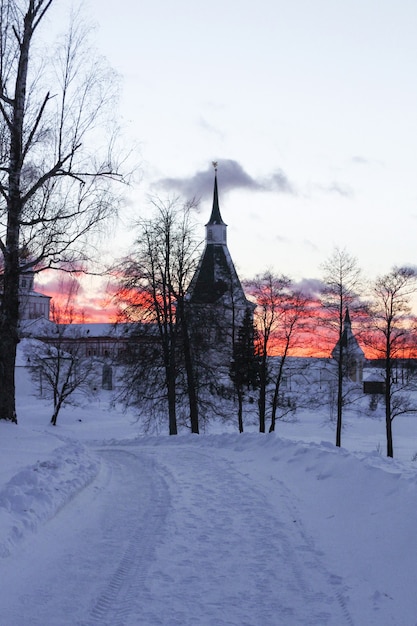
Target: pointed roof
347,335
349,340
215,217
347,319
215,277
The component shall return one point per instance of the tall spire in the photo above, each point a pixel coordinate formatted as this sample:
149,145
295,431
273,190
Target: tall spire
215,227
347,318
215,217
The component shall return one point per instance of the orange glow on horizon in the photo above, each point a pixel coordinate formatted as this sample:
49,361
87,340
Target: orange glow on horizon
84,310
311,339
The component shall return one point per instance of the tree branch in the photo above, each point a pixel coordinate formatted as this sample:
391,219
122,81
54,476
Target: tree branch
4,112
42,13
35,126
53,172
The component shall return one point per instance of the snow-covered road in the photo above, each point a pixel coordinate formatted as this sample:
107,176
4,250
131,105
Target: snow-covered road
236,558
102,525
173,535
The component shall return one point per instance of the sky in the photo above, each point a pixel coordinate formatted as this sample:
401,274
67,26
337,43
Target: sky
103,524
308,107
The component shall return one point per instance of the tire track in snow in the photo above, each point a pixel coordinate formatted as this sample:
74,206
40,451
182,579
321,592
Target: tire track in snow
176,535
116,603
88,564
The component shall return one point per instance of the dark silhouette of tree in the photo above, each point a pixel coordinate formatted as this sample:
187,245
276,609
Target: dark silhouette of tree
293,309
268,291
55,188
153,287
244,368
393,331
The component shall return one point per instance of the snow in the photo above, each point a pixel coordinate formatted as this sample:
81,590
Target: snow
101,524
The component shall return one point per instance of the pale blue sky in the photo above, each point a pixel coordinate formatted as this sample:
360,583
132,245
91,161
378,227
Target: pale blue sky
310,107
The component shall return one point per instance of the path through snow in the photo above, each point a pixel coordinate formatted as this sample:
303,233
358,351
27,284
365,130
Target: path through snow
241,560
173,535
87,563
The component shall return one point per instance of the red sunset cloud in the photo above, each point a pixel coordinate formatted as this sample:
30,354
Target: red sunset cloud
78,298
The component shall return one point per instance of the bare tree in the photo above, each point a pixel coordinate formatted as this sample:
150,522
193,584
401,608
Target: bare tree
154,280
268,291
142,383
56,186
293,308
392,334
342,278
58,363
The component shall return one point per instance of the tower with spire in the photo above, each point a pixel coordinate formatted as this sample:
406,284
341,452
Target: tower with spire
215,298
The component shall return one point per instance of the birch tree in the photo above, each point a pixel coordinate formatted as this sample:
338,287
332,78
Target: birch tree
342,276
393,333
57,165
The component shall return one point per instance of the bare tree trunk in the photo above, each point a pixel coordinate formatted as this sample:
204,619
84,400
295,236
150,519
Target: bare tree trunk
60,392
9,323
9,319
172,414
339,406
240,409
275,399
10,301
277,387
57,409
388,423
340,358
388,375
339,390
7,370
168,349
189,366
262,393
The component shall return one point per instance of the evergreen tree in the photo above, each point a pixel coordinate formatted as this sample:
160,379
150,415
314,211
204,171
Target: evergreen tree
244,368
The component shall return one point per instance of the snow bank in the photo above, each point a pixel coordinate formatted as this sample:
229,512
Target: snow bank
35,493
